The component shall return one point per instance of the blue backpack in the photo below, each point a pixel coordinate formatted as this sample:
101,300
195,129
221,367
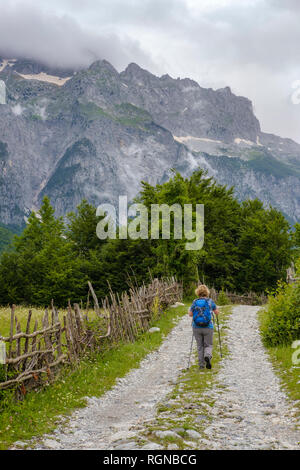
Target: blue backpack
201,312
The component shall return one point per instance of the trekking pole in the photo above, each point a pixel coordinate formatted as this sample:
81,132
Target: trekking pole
191,349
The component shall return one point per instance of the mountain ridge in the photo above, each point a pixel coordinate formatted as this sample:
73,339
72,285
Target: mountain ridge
101,132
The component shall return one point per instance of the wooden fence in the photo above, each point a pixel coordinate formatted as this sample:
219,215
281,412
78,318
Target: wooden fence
35,355
250,298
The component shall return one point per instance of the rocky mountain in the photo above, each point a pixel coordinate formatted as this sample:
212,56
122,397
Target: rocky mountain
96,133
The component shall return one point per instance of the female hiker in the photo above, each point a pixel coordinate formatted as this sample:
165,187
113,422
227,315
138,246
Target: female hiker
203,328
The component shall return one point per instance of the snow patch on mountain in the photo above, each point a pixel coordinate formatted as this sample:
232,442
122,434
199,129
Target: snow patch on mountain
17,110
44,77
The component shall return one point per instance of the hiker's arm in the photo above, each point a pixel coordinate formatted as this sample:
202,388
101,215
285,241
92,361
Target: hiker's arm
215,309
190,312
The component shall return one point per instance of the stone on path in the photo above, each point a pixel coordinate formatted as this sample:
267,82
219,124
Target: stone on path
163,434
153,329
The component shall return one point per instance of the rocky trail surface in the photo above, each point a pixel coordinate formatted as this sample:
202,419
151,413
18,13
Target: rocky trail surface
250,411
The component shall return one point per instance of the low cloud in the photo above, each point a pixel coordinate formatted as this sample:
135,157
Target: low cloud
26,31
250,45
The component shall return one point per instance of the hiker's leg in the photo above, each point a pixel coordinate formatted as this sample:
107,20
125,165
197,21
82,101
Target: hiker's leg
208,342
200,346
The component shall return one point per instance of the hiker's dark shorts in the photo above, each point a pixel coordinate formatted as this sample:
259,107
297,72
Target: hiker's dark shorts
204,340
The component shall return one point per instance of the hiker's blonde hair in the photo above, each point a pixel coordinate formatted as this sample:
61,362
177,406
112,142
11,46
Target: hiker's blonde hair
202,291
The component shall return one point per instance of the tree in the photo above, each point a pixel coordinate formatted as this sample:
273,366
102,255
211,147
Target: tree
246,247
42,265
265,247
217,262
81,229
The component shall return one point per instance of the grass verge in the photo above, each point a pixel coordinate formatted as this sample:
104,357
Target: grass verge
282,360
42,410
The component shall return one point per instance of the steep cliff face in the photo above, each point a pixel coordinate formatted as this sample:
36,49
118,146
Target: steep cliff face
186,109
213,121
98,133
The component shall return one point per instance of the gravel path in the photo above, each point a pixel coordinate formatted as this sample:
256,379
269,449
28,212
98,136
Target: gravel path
107,421
250,411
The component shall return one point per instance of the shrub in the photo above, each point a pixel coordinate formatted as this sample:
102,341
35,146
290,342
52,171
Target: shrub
281,321
222,298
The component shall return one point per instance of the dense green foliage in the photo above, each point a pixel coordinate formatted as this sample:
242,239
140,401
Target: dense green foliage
246,247
281,321
223,299
42,266
264,247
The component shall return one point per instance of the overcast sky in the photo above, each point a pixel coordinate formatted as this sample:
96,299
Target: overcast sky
250,45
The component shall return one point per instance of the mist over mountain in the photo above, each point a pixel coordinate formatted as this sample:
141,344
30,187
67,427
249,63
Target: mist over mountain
95,133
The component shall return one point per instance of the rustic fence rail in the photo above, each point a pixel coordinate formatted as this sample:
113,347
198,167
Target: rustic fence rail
250,298
35,355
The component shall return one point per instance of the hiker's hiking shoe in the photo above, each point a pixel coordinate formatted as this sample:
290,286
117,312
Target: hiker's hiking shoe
208,363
